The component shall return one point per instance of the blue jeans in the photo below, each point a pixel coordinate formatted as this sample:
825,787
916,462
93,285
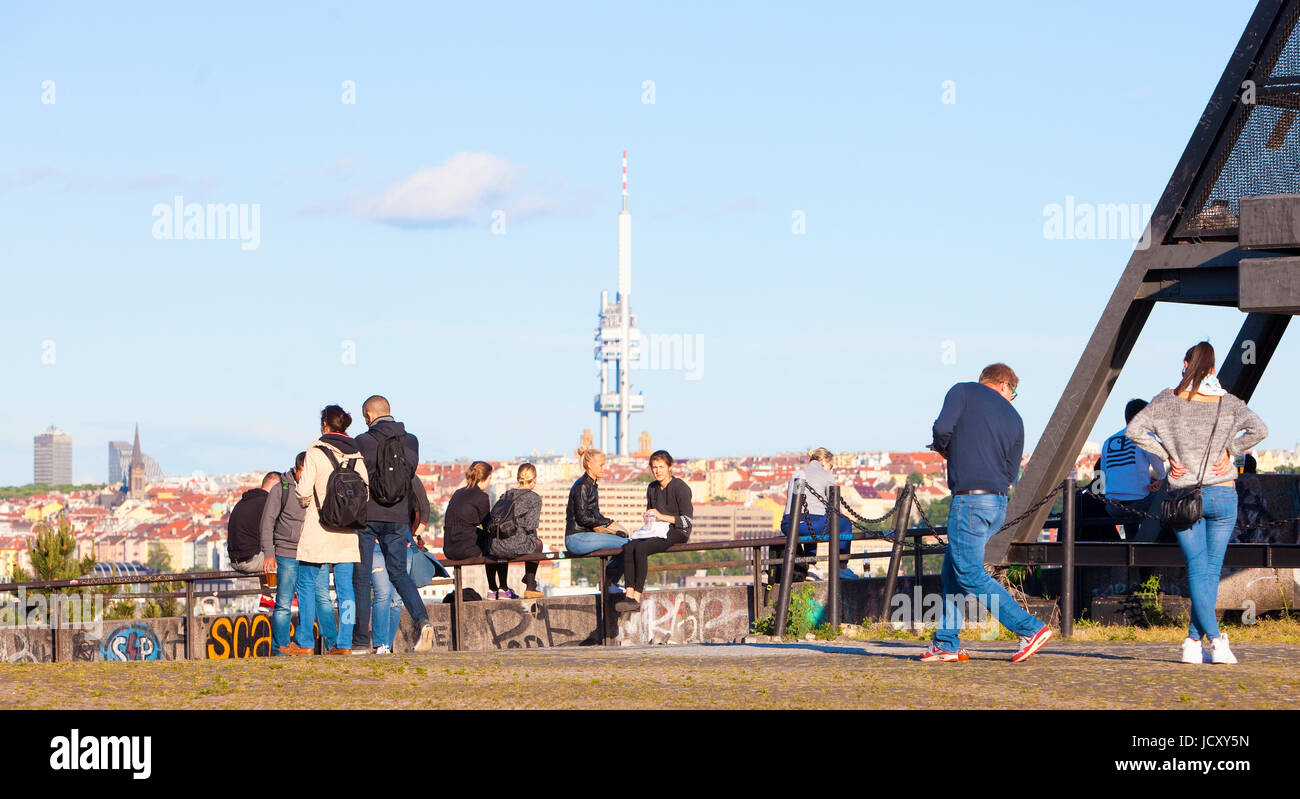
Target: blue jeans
972,521
818,531
314,605
386,612
582,543
1204,545
391,538
347,603
286,586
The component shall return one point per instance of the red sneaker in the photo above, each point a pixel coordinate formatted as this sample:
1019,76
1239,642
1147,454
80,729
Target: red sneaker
936,655
1031,644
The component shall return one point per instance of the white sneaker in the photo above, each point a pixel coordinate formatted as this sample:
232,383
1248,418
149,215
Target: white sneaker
383,649
425,643
1220,653
1193,652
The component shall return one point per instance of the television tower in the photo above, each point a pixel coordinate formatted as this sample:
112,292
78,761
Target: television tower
618,345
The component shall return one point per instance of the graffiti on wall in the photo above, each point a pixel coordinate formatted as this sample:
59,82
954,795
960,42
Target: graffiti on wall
514,626
21,645
237,637
130,642
682,617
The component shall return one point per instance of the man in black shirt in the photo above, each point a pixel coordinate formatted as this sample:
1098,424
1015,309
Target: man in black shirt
244,530
388,524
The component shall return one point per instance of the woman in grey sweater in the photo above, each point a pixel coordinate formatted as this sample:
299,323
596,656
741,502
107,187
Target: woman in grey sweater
525,506
1200,427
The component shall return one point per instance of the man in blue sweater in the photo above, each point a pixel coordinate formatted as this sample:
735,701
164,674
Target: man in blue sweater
981,436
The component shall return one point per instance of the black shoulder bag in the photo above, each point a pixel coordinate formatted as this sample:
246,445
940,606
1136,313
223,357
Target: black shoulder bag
1182,508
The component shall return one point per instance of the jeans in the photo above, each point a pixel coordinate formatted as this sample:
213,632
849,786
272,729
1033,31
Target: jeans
1204,545
972,521
347,603
386,611
314,605
1141,529
286,570
391,538
582,543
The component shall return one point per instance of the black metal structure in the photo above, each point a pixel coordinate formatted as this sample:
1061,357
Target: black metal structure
1226,232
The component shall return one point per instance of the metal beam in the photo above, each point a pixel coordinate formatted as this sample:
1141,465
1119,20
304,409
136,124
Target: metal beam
1127,311
1244,364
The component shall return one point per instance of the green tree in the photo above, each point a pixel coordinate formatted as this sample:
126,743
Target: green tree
159,559
52,551
916,478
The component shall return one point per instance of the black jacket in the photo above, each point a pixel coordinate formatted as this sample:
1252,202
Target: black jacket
244,531
468,513
583,511
369,444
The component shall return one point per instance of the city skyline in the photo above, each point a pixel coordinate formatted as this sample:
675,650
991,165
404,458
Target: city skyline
786,197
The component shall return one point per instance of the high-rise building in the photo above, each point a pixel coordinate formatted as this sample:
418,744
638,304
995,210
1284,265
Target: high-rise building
52,457
119,464
119,459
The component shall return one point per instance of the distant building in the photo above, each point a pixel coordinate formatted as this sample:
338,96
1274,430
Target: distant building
137,479
52,457
119,463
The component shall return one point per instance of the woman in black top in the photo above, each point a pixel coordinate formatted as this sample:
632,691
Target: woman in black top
467,514
668,498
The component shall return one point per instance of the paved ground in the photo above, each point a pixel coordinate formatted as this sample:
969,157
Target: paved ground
877,674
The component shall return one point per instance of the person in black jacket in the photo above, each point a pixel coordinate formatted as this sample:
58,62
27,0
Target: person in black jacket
668,500
468,512
389,525
244,530
585,528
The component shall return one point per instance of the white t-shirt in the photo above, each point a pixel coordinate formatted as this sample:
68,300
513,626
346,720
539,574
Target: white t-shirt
1128,468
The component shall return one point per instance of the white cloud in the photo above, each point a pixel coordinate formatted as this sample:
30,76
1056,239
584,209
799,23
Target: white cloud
468,186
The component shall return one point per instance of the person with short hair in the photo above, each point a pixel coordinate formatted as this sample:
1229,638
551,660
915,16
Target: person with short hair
389,525
320,546
1200,427
281,527
244,533
586,529
982,438
1127,472
668,501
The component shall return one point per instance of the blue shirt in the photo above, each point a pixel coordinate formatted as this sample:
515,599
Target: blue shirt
981,436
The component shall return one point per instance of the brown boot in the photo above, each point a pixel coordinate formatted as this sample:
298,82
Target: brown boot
294,649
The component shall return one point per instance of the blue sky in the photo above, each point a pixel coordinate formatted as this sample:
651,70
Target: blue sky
924,219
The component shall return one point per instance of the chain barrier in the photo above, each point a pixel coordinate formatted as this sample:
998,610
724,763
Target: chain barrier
862,522
1135,512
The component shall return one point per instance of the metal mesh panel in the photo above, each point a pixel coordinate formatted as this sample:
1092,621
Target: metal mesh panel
1264,157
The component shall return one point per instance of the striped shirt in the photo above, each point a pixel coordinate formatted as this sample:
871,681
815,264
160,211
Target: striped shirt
1127,468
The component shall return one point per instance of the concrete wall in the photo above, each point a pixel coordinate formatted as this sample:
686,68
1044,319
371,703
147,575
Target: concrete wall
675,615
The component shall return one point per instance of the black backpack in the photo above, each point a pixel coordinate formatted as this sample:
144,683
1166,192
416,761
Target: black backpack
345,495
501,521
391,479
